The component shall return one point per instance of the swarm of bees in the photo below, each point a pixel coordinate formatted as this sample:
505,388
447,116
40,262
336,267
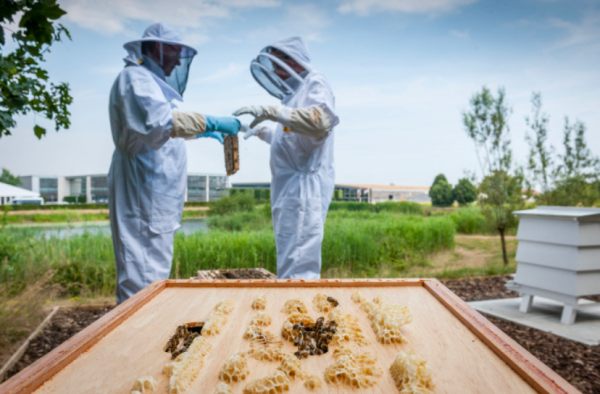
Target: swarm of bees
183,338
313,339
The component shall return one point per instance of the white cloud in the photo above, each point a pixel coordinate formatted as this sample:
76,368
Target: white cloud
307,21
585,32
114,16
365,7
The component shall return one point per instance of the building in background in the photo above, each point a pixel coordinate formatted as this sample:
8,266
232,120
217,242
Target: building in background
206,187
94,188
10,194
379,193
361,192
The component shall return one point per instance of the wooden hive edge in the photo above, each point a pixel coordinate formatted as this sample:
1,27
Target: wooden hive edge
537,374
42,370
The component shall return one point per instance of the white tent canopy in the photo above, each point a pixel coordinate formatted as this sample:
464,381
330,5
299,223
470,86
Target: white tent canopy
8,193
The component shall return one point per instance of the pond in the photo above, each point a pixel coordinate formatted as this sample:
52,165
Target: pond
72,229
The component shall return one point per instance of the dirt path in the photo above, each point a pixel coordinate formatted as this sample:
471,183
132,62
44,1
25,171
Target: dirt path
479,236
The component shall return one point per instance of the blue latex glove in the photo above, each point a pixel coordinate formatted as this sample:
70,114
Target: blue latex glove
212,134
225,124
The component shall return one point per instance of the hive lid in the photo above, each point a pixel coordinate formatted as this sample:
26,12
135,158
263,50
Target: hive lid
576,213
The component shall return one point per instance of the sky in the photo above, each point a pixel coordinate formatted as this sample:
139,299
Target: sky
402,73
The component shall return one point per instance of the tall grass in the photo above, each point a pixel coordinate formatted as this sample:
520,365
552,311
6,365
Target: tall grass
405,207
470,221
362,246
84,264
81,264
57,216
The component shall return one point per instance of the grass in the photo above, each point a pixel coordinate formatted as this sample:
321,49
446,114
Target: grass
83,265
19,315
71,216
54,217
472,256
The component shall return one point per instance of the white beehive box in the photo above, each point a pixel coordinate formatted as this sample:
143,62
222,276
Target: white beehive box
558,256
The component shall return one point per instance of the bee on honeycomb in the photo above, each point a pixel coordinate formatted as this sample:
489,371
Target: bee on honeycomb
183,337
259,335
295,318
348,329
323,303
294,305
313,339
185,368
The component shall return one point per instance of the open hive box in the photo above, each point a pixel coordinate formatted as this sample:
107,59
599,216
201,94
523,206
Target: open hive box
464,353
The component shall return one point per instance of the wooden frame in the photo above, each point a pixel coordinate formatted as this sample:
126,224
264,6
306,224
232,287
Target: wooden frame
232,154
535,373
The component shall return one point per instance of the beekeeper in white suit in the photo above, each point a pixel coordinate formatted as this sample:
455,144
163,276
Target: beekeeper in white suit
301,152
148,172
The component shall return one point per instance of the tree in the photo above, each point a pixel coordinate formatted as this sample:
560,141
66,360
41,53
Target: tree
500,197
577,159
540,162
8,177
464,192
24,84
441,192
487,125
573,191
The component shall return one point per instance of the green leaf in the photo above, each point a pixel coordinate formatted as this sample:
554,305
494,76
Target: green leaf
39,131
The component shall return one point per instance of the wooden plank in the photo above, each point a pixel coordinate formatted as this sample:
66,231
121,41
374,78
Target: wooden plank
291,283
457,359
463,350
19,353
32,377
536,373
232,154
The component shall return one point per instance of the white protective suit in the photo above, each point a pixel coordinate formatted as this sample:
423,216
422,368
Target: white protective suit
302,169
148,173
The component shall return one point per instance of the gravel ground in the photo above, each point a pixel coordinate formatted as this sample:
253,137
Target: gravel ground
579,364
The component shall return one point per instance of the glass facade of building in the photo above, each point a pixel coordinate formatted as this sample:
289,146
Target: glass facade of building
218,187
196,187
99,189
77,186
94,188
49,189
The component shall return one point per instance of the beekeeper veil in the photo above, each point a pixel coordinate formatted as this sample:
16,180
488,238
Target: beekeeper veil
169,58
280,68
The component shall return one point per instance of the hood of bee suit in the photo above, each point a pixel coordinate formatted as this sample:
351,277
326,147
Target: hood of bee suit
163,34
263,67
